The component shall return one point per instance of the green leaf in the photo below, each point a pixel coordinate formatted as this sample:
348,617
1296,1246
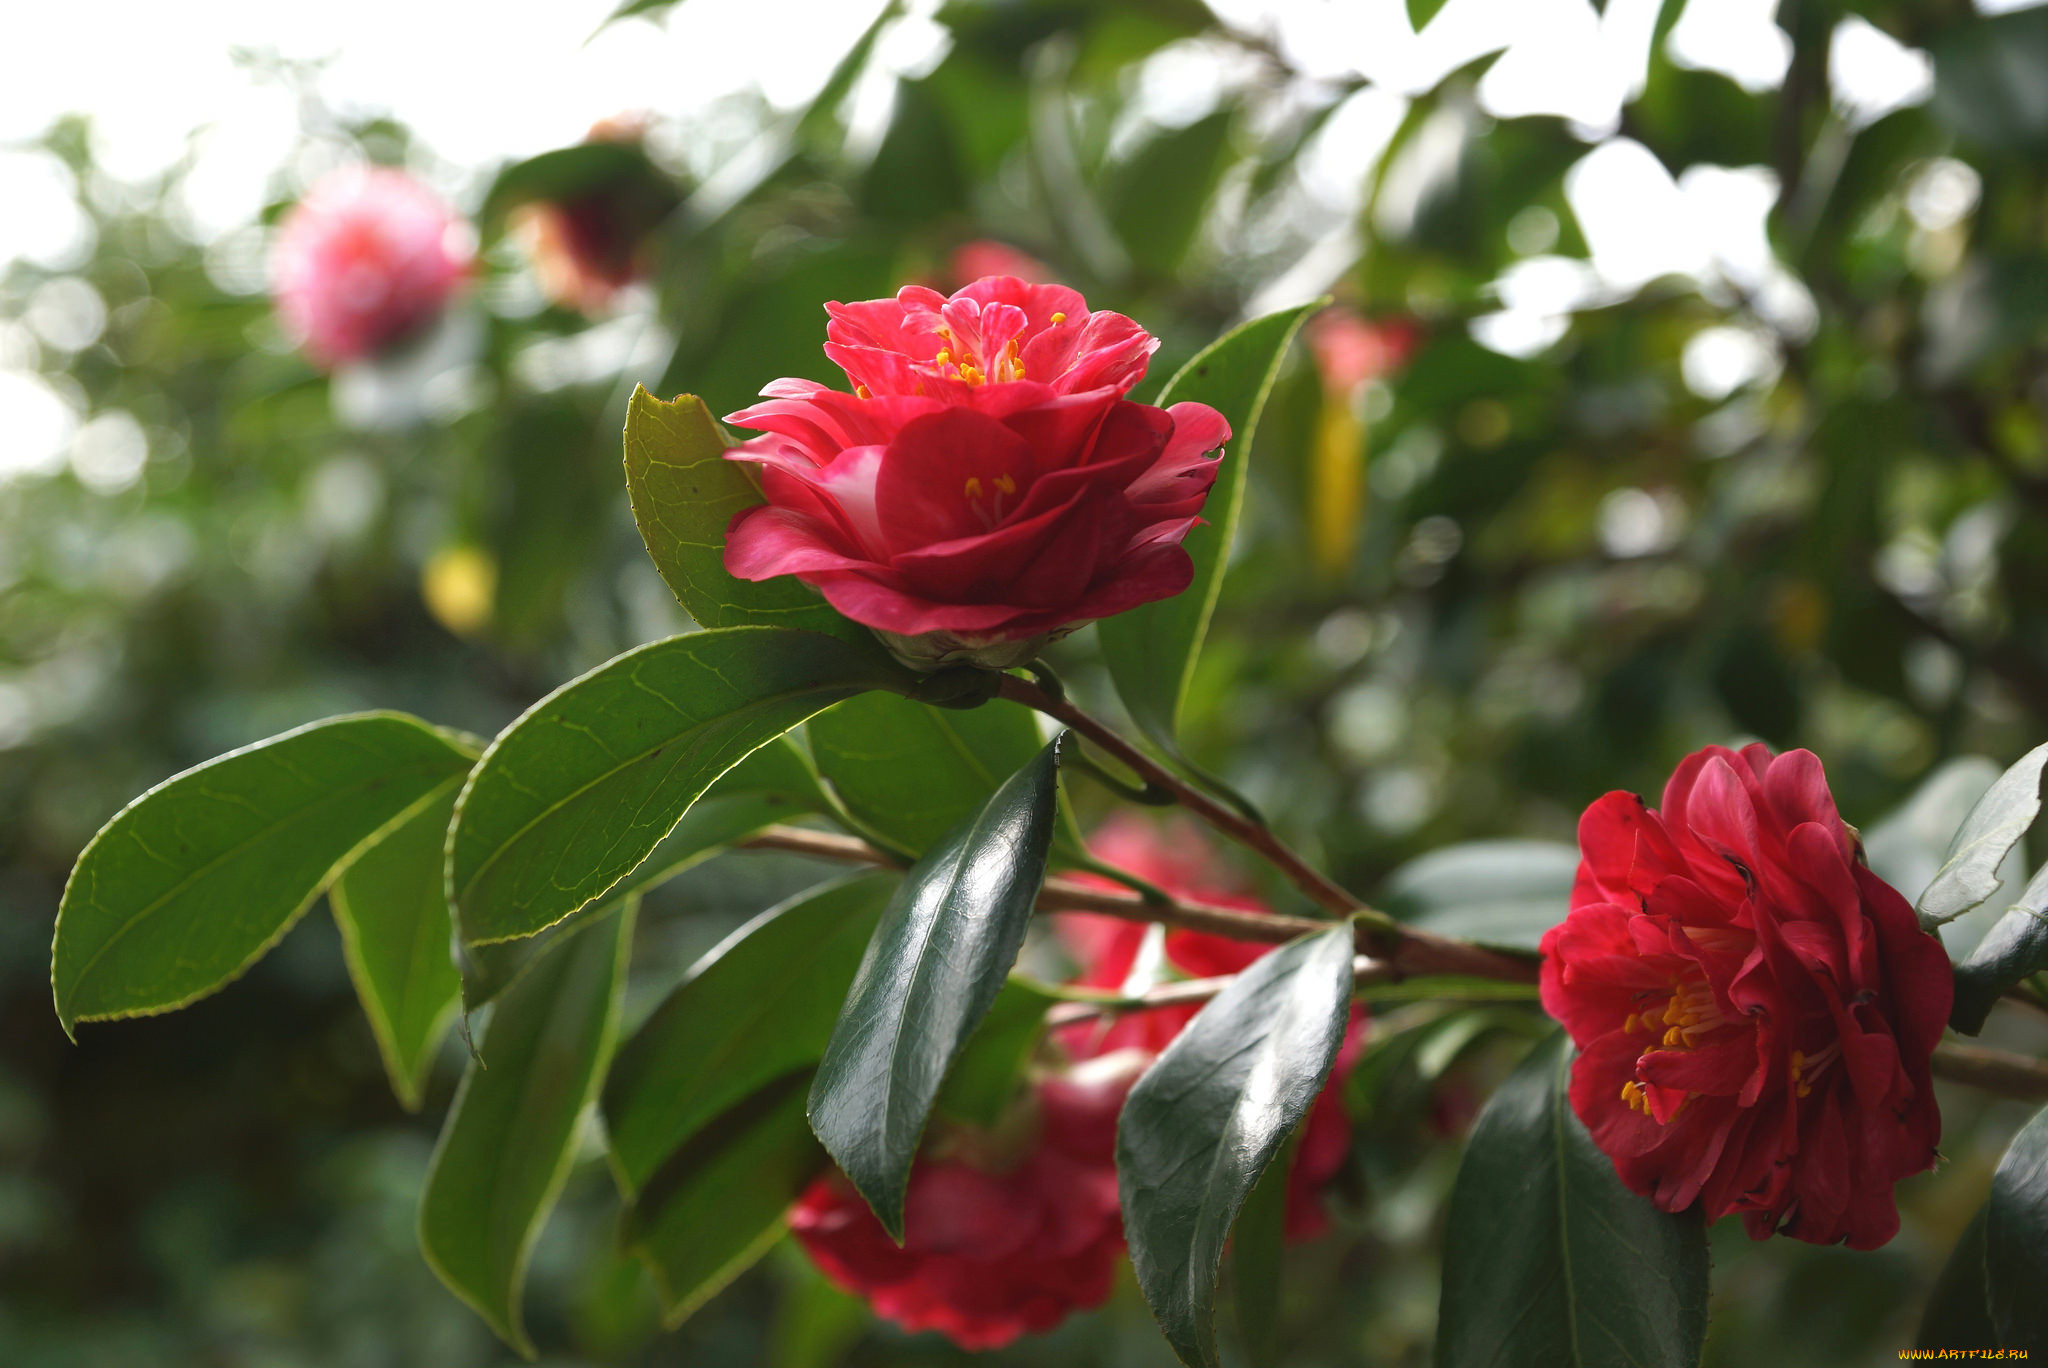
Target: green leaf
758,1007
2016,1241
511,1136
1548,1260
2015,947
684,494
985,1076
1210,1115
720,1202
772,785
392,913
1420,12
1158,198
1906,845
1987,80
567,172
912,772
189,884
1499,893
1958,1313
1151,650
935,965
1969,873
573,796
1257,1242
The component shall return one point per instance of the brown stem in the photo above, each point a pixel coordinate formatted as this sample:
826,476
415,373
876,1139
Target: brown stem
1411,954
1364,970
1998,1071
1415,953
1253,835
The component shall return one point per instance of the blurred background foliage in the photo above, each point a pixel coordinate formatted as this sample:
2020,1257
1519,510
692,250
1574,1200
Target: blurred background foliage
1590,502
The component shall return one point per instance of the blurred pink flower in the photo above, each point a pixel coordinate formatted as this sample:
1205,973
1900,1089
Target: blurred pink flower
1350,349
368,257
988,257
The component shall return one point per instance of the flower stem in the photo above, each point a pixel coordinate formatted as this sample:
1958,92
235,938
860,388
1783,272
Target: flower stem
1254,836
1415,954
1412,953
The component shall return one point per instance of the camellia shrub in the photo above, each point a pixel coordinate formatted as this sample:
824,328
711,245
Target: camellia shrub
966,1112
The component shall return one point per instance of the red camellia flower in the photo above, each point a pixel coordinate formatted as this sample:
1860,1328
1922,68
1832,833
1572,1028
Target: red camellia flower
995,1244
1754,1008
986,486
368,257
1178,858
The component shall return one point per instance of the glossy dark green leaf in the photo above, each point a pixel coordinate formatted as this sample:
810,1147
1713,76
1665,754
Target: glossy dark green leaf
1969,873
772,785
1257,1242
1210,1115
189,884
392,912
1549,1261
573,796
684,495
1958,1311
935,965
718,1203
2014,947
1905,847
1151,650
759,1006
912,772
509,1140
991,1065
2016,1241
1502,893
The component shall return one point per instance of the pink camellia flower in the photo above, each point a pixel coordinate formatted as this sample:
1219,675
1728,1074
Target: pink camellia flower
368,257
986,486
1179,859
997,1243
1754,1008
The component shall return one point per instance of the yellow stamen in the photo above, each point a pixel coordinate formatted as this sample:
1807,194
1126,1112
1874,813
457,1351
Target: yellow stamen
971,374
973,487
944,357
1675,1037
1006,483
863,392
1630,1026
1058,319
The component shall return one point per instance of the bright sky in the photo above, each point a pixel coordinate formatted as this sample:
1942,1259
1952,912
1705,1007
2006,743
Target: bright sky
478,85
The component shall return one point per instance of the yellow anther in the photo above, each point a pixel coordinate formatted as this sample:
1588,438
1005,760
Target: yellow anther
971,374
1675,1037
945,356
973,487
863,392
1629,1026
1058,319
1006,483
